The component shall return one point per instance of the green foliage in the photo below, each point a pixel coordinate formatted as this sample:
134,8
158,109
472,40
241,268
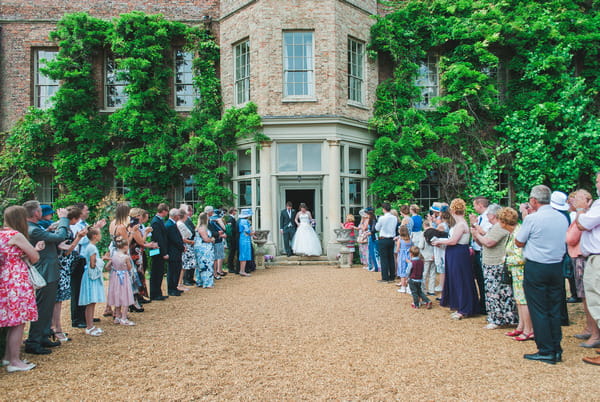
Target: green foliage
145,144
538,126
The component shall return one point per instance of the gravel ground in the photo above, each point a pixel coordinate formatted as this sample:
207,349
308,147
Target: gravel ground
300,333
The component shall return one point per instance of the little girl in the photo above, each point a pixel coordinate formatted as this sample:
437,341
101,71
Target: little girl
427,251
92,286
414,271
349,224
403,244
120,293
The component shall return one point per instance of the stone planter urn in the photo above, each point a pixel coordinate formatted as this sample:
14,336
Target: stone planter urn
260,238
344,236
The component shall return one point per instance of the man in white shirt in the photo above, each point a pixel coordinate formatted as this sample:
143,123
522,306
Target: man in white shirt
386,226
482,224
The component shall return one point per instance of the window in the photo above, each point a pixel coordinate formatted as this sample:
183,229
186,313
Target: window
429,190
244,162
427,80
120,187
355,160
298,64
355,192
355,70
287,157
189,193
311,157
185,92
242,72
44,87
46,192
114,87
245,193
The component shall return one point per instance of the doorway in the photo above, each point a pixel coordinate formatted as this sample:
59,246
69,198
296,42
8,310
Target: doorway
306,196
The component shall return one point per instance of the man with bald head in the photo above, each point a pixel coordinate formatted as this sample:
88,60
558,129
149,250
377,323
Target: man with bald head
175,248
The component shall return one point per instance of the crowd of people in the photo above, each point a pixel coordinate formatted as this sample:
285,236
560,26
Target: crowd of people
488,263
66,255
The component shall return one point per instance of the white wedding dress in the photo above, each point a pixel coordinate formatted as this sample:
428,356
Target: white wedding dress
306,241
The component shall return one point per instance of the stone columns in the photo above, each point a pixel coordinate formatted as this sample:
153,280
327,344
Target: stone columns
333,201
266,197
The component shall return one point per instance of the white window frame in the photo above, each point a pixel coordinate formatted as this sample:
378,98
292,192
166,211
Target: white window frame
428,81
308,70
356,71
241,72
116,84
186,80
44,86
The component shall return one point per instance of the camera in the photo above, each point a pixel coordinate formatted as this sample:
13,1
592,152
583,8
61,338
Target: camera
134,221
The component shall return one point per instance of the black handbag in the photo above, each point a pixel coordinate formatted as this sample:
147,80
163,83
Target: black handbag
78,264
506,278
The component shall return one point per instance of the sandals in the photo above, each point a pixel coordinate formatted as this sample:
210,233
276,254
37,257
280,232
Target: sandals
61,336
94,331
456,316
125,321
516,332
524,337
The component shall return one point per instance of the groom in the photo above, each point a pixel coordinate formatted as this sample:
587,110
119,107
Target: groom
287,226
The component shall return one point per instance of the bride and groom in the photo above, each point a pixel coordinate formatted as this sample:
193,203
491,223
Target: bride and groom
299,236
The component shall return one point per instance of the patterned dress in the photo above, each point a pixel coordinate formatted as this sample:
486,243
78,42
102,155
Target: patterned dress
119,285
188,257
205,258
402,257
92,290
64,281
17,298
516,264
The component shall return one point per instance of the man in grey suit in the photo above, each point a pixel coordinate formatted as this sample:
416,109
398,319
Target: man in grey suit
287,226
48,267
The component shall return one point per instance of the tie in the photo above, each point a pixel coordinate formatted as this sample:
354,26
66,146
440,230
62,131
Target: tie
479,220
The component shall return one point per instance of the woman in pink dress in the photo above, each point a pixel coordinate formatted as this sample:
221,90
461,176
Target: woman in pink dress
17,297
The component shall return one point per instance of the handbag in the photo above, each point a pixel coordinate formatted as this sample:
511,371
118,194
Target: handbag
506,277
36,279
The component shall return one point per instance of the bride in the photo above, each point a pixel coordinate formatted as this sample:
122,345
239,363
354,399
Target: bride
305,241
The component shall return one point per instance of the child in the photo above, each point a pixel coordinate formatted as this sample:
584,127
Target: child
415,273
427,251
403,244
92,286
349,224
120,293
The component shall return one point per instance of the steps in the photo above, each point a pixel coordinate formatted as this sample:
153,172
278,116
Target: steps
301,260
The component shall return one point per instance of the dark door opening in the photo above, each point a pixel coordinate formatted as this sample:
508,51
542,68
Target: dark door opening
298,196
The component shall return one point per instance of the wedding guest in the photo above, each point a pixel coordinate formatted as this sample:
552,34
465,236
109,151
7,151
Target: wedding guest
205,256
119,228
482,224
372,241
175,248
403,245
92,283
39,331
414,271
500,303
363,238
137,246
188,258
233,239
427,251
245,245
189,265
543,236
120,293
159,235
459,291
17,297
387,227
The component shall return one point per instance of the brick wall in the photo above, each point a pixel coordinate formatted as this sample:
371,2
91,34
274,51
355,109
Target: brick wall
25,25
263,23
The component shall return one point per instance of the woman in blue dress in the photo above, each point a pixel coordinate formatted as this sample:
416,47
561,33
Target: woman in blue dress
205,256
245,249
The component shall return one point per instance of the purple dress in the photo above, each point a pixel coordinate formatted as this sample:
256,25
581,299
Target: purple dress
459,291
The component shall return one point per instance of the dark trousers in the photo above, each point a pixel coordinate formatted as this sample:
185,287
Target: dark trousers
478,272
174,269
40,329
77,311
233,263
386,258
544,290
416,288
156,276
288,235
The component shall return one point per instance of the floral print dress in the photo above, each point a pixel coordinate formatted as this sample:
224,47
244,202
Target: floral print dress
17,297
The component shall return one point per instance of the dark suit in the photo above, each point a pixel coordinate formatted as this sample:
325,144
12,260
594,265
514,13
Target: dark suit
287,223
233,264
48,266
159,235
175,247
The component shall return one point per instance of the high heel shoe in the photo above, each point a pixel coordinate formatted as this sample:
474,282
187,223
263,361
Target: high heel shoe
134,308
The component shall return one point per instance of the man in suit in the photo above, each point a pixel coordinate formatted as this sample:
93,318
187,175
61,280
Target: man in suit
287,226
48,267
159,235
175,248
233,263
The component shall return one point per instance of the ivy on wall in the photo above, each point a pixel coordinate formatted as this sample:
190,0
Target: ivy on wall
145,144
519,95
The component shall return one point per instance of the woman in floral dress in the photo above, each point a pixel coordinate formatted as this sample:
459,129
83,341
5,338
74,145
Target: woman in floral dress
205,256
17,297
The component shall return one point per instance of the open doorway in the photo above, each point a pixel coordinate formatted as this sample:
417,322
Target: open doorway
306,196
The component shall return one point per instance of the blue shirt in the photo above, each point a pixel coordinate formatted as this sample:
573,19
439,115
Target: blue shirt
417,223
544,233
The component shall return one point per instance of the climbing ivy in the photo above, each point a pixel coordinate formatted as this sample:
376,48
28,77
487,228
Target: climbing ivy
145,144
518,96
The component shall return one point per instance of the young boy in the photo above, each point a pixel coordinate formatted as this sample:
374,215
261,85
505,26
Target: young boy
415,278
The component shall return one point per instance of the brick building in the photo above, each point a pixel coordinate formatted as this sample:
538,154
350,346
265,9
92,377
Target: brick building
303,62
